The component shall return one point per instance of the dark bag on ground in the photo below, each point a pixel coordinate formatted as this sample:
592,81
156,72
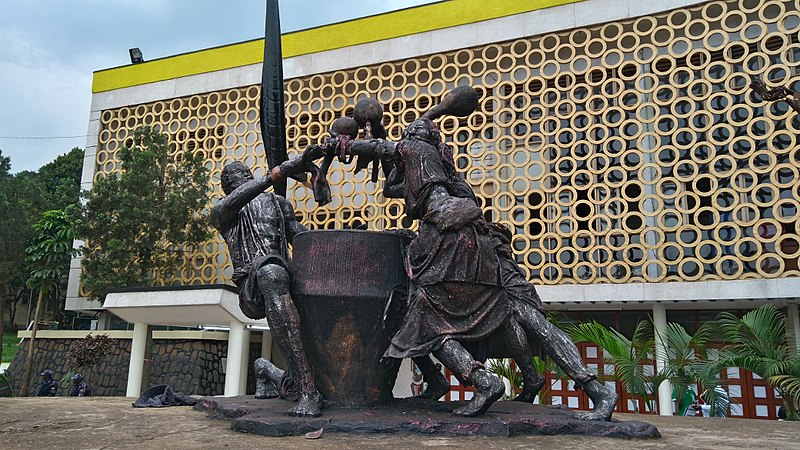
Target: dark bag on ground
162,395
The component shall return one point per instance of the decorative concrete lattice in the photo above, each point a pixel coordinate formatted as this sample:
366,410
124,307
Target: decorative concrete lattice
628,151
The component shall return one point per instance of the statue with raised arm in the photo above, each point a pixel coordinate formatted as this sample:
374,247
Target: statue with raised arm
776,94
465,282
257,227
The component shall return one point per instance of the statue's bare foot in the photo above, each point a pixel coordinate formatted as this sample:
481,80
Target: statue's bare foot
265,389
267,378
488,389
436,388
530,390
309,405
604,399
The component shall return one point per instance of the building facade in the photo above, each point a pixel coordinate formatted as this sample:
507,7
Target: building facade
619,140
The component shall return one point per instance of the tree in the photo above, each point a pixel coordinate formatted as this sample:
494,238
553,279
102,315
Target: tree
5,204
23,197
21,203
61,179
757,342
48,261
140,223
503,368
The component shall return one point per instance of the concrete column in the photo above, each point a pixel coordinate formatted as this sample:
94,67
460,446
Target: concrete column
104,321
136,367
233,366
793,326
665,389
245,361
266,344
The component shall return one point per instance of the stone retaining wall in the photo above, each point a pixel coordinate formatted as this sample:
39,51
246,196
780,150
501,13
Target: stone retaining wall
190,366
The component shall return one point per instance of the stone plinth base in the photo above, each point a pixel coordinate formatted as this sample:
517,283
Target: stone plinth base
269,418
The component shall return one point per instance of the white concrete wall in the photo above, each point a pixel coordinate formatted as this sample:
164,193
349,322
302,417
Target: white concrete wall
681,295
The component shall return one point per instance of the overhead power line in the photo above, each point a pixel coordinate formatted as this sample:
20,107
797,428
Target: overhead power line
31,138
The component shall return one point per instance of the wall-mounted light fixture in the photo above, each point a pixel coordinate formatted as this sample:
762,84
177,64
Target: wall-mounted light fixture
136,55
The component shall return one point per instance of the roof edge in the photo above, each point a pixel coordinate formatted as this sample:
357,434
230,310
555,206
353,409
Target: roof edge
389,25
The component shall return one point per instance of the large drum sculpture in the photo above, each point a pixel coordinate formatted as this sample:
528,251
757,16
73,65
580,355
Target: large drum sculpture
350,289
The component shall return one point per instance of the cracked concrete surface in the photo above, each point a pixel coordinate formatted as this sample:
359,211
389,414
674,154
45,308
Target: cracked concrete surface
112,423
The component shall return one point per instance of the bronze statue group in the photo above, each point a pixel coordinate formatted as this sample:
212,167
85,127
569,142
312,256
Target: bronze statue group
465,284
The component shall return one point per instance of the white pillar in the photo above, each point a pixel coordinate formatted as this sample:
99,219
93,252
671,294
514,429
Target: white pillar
665,389
266,344
245,360
233,366
793,326
136,367
104,321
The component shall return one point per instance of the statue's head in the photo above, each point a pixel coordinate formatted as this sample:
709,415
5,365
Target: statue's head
344,126
423,130
234,175
47,375
77,378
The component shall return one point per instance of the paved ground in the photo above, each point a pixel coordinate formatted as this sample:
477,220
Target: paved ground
111,422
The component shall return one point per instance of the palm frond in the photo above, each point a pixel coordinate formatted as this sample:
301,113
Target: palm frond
627,355
789,385
545,365
766,324
610,340
718,399
502,368
761,330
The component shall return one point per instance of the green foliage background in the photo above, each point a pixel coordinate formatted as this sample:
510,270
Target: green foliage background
141,223
23,198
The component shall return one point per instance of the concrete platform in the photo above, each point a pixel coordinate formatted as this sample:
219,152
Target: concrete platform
416,416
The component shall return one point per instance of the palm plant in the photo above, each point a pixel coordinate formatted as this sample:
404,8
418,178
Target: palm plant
502,367
757,342
48,259
545,366
688,364
629,356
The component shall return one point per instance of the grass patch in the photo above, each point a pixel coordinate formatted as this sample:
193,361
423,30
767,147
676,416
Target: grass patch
10,346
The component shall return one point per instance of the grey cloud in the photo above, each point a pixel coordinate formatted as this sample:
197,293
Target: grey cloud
51,48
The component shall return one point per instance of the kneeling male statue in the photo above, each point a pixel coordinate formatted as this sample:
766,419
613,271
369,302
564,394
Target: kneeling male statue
257,227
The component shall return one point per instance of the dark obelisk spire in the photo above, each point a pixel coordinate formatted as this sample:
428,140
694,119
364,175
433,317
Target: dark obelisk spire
273,117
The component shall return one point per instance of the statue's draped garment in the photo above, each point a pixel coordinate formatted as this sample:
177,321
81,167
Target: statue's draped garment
455,273
255,238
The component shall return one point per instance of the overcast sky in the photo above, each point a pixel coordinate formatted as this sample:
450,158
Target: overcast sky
49,49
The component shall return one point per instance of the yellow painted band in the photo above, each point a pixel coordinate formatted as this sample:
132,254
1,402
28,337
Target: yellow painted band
406,22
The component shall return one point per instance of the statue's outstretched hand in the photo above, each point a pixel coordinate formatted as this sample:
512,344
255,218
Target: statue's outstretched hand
299,165
312,153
